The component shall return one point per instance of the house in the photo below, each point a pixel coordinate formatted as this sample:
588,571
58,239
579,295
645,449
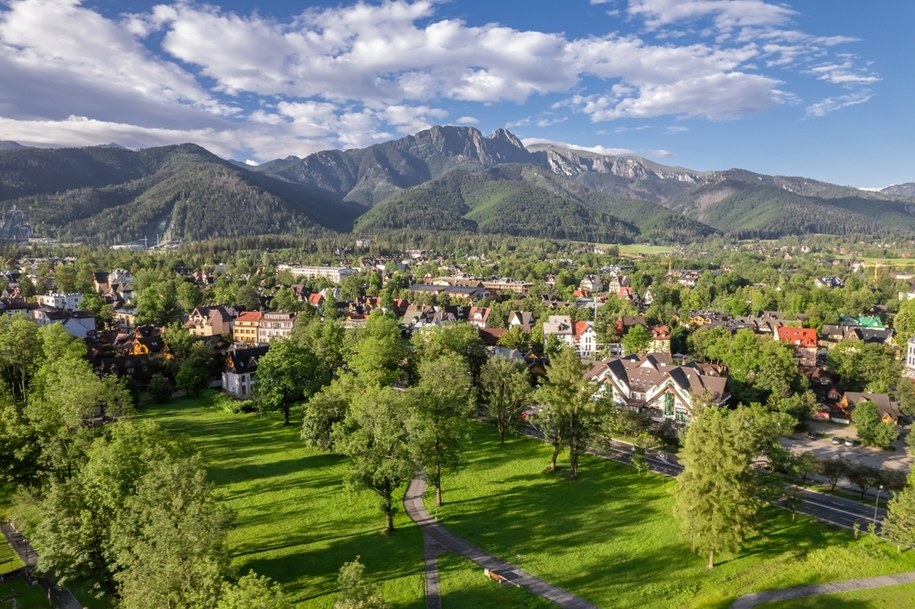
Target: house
591,283
829,281
802,340
652,384
479,316
275,324
660,339
887,408
147,340
333,273
910,359
626,322
64,302
210,321
521,319
559,327
77,323
862,321
584,339
245,329
238,375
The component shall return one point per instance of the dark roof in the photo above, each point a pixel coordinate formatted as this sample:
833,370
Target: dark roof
241,361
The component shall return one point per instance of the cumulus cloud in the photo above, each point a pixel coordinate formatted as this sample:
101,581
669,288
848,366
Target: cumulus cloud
352,75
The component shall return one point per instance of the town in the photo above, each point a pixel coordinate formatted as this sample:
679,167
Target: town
603,349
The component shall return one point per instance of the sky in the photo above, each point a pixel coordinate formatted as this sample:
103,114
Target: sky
814,88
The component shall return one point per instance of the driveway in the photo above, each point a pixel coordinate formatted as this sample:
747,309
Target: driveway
823,448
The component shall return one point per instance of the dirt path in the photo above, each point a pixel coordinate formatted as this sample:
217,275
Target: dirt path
749,601
435,532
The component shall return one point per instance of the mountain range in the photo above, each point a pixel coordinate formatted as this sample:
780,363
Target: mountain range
442,178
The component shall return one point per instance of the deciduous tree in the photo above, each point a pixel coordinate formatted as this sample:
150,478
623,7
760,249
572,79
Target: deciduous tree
569,417
287,373
374,437
505,388
899,525
439,417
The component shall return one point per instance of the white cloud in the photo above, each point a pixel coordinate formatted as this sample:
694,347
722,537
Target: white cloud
354,75
831,104
725,13
594,149
675,129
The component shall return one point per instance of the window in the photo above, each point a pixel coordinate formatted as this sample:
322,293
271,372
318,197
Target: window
682,417
669,404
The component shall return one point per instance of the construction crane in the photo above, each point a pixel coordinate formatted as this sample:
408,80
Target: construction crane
880,265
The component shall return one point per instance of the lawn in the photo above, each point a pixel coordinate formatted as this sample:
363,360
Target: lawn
611,537
893,597
463,585
295,521
8,558
27,596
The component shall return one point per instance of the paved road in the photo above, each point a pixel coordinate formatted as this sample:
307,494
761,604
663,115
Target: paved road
432,529
828,508
751,600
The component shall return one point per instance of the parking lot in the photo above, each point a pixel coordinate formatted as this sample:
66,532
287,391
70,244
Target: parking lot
823,448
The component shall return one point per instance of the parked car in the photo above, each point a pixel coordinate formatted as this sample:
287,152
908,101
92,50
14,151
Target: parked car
812,435
849,442
836,440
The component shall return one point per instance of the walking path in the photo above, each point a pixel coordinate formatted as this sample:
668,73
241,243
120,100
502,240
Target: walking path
751,600
436,533
62,598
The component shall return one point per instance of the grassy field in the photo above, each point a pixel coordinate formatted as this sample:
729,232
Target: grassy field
26,595
611,537
463,585
894,597
295,522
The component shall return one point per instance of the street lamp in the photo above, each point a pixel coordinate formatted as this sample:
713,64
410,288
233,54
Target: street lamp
875,504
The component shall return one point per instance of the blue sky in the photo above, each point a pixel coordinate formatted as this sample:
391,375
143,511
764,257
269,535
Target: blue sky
800,87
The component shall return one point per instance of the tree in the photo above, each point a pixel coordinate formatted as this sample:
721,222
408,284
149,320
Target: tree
189,295
636,340
74,536
441,410
287,373
904,322
169,543
863,476
197,369
374,437
378,353
355,592
569,417
253,591
157,304
870,428
326,409
462,339
899,525
505,388
720,491
905,393
805,464
833,470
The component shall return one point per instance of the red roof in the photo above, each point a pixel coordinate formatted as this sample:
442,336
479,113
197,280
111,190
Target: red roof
803,337
316,298
580,328
249,316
